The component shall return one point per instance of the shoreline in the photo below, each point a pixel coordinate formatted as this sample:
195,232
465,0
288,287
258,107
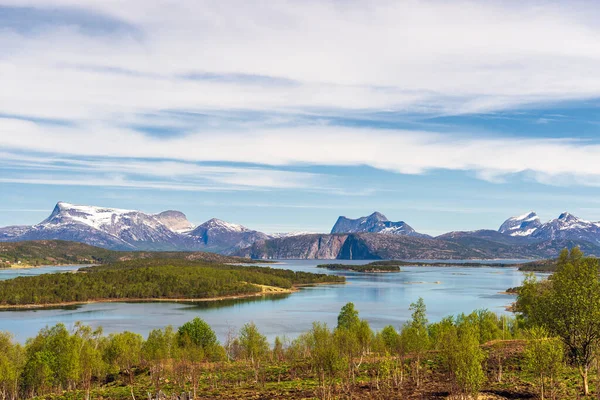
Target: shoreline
27,266
6,307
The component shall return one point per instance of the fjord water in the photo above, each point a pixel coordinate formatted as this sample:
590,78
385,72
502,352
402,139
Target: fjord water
10,273
381,298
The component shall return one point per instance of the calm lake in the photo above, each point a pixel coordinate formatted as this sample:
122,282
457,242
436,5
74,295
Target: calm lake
382,299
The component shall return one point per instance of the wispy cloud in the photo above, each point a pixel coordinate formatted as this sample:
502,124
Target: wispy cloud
407,152
148,174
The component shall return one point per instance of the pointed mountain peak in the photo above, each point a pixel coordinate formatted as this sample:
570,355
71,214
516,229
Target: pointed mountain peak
377,216
566,215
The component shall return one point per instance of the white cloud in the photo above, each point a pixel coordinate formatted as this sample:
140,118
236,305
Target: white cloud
452,57
407,152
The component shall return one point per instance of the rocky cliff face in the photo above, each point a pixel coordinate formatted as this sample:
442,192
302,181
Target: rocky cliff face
357,246
175,221
319,246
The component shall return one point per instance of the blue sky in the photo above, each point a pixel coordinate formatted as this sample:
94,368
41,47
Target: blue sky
283,116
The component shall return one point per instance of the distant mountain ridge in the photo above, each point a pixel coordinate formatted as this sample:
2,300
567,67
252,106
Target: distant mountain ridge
369,237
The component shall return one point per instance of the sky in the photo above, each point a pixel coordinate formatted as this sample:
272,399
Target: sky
283,115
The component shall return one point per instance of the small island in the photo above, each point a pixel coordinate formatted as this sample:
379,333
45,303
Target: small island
154,280
374,267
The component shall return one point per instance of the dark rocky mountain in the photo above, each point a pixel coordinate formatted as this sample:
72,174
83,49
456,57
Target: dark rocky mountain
118,229
224,237
374,223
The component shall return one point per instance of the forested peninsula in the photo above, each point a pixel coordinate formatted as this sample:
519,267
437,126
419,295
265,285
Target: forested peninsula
153,280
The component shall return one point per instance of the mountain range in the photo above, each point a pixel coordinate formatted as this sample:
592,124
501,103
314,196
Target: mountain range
118,229
369,237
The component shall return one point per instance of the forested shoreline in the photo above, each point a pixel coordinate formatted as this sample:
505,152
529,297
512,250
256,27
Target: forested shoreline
37,253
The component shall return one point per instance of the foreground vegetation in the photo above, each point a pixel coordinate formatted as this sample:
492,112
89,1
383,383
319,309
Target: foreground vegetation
550,350
60,252
152,279
463,355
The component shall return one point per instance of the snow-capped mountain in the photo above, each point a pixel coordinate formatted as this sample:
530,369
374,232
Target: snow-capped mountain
565,227
523,225
120,229
568,226
374,223
107,227
225,237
